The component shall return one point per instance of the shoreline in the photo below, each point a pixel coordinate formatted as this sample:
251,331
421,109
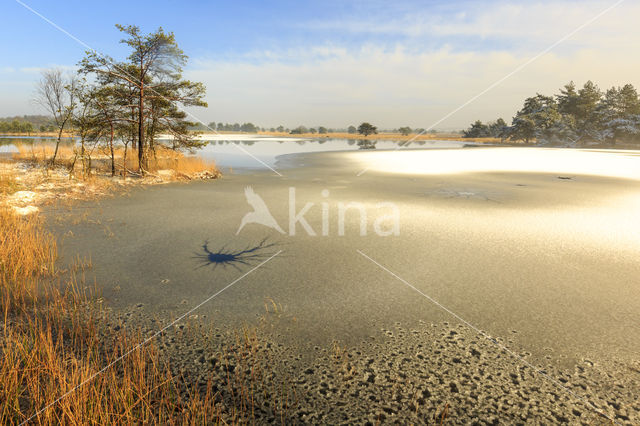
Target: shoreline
392,137
425,373
356,364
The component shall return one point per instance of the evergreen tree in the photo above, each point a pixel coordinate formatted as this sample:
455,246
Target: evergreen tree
568,100
153,76
367,129
588,98
477,130
538,115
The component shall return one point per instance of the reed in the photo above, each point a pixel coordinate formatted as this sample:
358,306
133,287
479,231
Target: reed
98,160
60,364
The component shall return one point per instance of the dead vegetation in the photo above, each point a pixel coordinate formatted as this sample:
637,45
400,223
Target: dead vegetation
96,161
61,365
28,180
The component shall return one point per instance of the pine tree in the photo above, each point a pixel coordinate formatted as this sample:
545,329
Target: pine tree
538,115
568,100
152,76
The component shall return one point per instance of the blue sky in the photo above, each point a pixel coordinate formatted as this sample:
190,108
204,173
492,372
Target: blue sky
210,29
337,62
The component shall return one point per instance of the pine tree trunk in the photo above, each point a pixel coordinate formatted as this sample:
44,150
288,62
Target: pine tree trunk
141,129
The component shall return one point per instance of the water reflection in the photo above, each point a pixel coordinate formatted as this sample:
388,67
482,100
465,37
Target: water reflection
367,144
268,149
232,150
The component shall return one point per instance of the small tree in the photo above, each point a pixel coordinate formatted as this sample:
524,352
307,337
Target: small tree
322,130
405,131
55,92
86,123
367,129
352,130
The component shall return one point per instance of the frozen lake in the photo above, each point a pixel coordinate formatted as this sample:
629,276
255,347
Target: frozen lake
252,152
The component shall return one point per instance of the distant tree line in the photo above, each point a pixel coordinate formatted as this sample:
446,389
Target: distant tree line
235,127
16,126
26,124
299,130
573,116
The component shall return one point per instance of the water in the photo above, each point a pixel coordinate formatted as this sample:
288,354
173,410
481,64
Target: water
253,152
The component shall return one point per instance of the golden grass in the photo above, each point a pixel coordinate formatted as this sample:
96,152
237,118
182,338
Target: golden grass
41,153
181,164
8,184
55,361
164,159
26,251
60,365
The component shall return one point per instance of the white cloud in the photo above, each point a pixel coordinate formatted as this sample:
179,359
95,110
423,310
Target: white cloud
406,80
539,22
393,87
408,83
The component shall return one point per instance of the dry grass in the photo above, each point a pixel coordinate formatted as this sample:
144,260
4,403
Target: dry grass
100,160
41,153
180,164
55,366
73,178
8,184
26,252
60,365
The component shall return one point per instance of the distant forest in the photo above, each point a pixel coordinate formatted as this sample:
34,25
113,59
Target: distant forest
42,123
252,128
572,117
26,124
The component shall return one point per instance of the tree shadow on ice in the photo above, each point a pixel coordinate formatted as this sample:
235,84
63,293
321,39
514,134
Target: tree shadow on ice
248,256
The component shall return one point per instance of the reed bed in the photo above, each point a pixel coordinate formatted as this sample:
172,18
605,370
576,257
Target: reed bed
60,365
98,160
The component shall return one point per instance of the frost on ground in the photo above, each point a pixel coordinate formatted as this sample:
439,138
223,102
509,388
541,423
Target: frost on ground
427,374
33,186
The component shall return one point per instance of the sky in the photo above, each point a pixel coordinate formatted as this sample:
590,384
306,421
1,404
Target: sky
335,63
